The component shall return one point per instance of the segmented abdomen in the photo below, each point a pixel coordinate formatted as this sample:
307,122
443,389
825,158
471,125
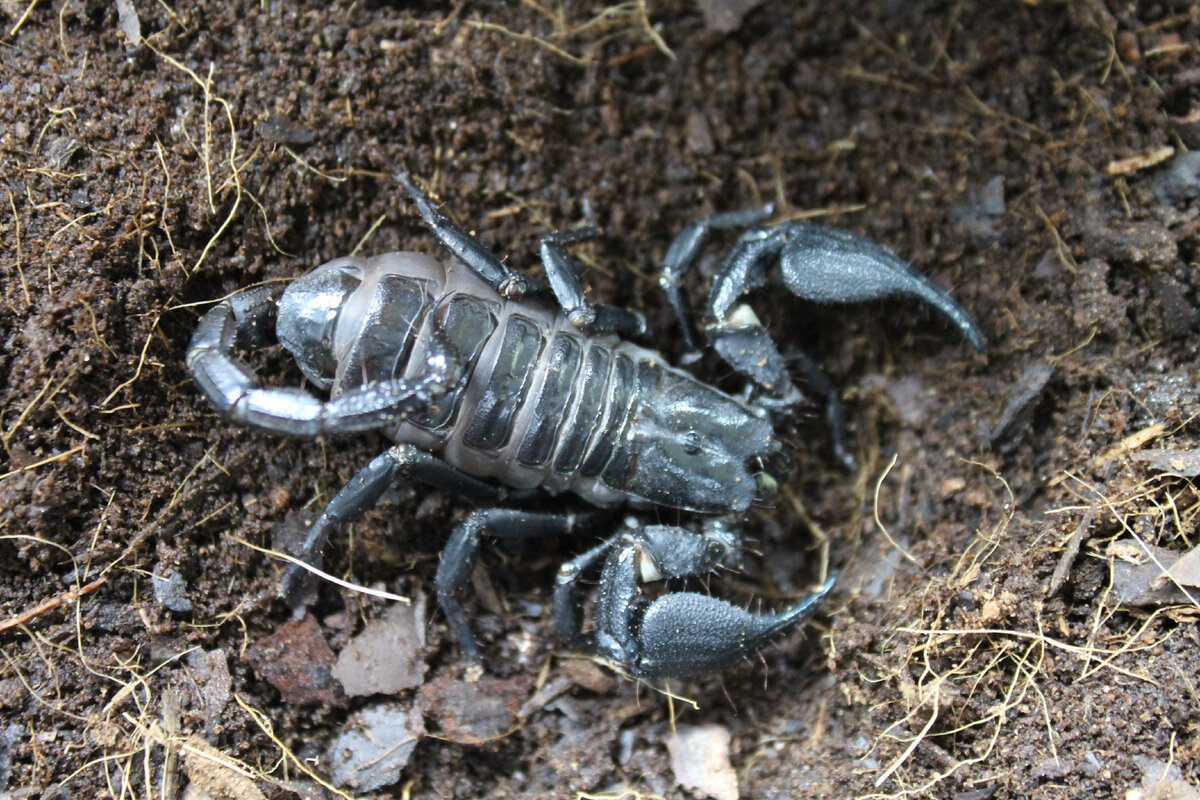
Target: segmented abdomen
541,404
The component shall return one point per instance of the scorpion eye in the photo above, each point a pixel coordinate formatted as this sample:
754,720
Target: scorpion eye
692,443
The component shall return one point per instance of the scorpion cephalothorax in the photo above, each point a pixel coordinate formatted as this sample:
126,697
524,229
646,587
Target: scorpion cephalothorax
495,385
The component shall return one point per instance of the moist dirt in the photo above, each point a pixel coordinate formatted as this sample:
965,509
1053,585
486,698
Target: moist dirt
1033,158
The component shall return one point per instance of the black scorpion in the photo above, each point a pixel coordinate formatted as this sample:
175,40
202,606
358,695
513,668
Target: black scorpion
492,391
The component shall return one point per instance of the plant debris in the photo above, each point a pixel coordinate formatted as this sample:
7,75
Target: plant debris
473,712
297,661
1183,463
1147,575
386,657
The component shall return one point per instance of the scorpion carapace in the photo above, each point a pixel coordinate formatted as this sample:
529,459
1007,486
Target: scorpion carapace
497,386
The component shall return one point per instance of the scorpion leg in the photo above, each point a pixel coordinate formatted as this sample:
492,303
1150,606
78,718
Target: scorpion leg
510,284
678,633
568,289
568,605
233,389
817,381
621,321
683,254
454,568
401,462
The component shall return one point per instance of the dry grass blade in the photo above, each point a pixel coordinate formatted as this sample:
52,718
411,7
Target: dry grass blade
325,576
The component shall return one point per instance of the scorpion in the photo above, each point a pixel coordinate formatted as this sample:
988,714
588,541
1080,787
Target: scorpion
500,386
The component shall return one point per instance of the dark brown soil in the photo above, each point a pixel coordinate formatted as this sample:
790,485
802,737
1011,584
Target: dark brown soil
1012,151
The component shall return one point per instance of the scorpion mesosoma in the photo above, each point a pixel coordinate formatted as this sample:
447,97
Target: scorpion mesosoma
496,385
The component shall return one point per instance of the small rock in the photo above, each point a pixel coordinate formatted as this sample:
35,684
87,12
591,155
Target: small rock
1161,781
297,661
127,20
209,770
471,713
985,793
1180,181
1049,267
586,673
1023,399
1140,574
951,486
374,747
171,591
543,696
991,612
1127,47
194,792
211,672
1163,396
699,134
700,760
871,574
1169,315
577,759
983,207
8,738
910,397
386,657
1146,244
275,128
1052,768
725,16
1093,304
1186,571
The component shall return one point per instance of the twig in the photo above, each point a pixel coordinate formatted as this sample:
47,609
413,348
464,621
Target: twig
67,597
